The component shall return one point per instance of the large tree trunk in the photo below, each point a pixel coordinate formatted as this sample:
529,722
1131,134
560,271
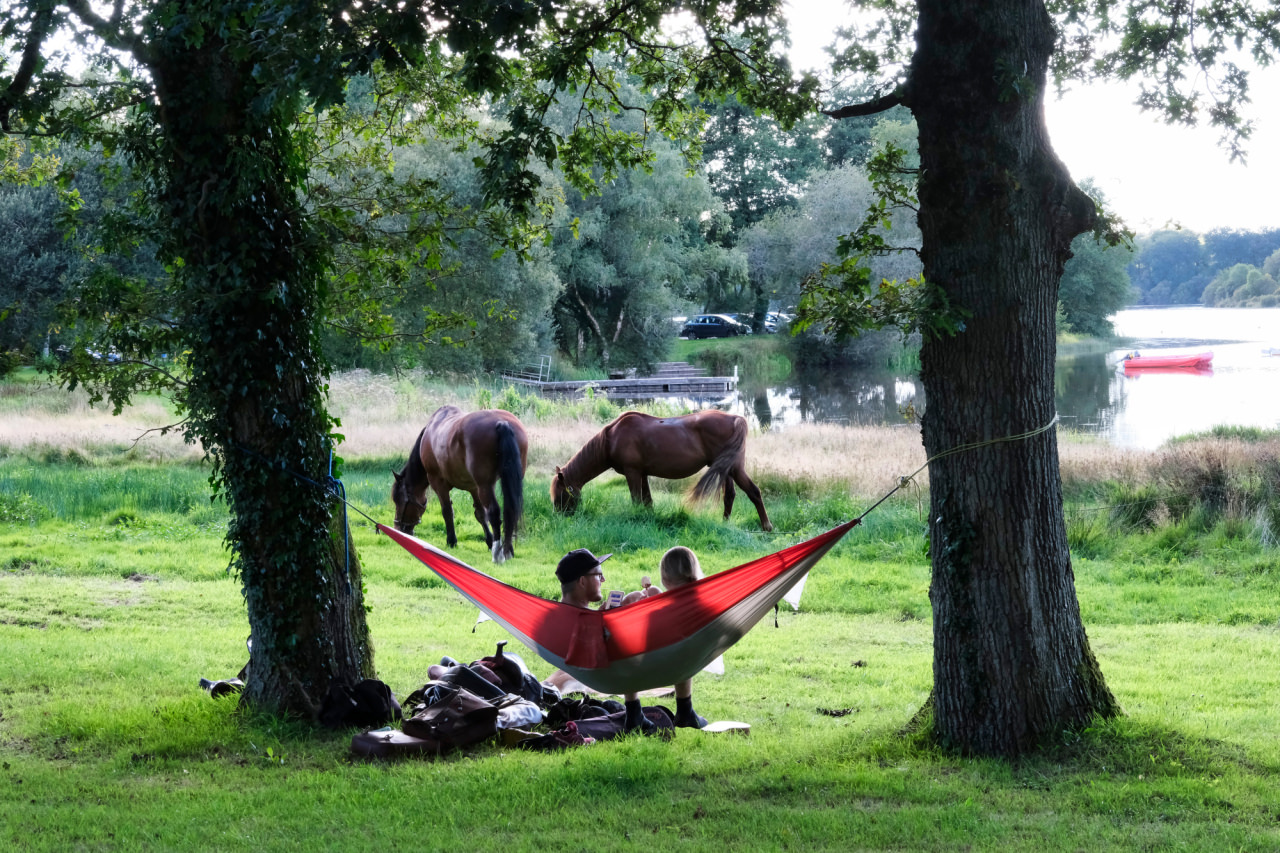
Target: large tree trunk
252,278
998,212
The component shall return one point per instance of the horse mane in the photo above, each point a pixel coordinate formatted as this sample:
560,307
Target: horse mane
590,461
413,470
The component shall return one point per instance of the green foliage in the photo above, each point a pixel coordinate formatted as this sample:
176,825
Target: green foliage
760,167
1095,282
1095,285
1178,267
1173,47
635,254
1242,285
20,508
758,359
844,298
1232,432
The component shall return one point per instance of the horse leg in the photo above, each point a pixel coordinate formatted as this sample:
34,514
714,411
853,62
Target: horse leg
752,491
638,484
729,495
487,513
446,510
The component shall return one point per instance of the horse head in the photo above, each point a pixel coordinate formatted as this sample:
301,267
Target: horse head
408,508
564,497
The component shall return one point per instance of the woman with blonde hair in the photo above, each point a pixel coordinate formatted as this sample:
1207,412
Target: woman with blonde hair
677,567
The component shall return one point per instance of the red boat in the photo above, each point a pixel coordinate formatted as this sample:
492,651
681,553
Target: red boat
1198,360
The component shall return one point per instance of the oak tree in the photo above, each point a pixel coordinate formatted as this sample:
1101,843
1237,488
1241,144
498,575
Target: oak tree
205,99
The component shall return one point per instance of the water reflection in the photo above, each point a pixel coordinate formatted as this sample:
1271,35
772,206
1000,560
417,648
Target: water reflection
1092,392
857,397
849,397
1088,391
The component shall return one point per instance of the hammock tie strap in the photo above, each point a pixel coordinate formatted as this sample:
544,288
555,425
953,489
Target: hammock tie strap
332,486
335,487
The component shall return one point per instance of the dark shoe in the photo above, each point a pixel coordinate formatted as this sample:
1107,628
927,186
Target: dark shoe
637,720
691,720
645,726
447,661
222,688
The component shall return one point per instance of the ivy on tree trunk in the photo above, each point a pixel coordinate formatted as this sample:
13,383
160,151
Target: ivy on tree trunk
250,273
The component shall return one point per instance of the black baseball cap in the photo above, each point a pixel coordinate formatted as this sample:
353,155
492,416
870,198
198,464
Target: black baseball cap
577,563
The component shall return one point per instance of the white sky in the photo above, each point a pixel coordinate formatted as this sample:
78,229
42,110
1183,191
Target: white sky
1149,172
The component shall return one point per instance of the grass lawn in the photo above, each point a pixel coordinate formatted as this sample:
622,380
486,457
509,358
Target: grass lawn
115,599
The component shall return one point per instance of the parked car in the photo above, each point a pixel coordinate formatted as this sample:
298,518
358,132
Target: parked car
775,320
713,326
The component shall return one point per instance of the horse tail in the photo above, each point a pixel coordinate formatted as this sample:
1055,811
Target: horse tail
721,468
511,474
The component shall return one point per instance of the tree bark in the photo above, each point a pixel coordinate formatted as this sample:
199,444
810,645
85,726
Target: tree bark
251,278
1012,663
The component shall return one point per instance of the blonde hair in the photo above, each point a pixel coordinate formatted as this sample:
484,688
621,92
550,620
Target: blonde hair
679,566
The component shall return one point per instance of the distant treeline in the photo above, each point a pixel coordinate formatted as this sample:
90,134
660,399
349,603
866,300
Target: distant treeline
1222,267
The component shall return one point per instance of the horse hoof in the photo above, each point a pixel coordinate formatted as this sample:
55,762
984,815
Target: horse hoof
499,555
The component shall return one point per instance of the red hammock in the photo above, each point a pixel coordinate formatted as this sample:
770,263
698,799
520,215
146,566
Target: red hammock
655,642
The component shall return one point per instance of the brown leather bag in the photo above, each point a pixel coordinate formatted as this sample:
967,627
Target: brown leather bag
392,743
450,715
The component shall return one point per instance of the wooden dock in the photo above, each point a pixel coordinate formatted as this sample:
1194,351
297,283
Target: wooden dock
669,379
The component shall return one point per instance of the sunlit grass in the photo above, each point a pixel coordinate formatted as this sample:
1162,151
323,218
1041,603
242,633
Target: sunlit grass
115,598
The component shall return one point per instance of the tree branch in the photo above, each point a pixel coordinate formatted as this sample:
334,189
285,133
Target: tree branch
896,98
41,24
110,30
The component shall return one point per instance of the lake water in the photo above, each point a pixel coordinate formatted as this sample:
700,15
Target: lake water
1094,395
1145,408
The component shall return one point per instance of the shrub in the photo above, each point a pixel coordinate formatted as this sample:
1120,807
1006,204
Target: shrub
10,360
1134,507
21,509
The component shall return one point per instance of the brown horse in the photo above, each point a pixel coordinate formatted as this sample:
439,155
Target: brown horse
469,452
638,446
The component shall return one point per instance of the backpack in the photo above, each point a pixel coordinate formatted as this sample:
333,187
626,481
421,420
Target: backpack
368,704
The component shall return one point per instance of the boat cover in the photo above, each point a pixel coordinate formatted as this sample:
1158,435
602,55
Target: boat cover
652,643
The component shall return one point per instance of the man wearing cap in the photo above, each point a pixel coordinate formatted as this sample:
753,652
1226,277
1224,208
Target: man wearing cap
580,583
580,577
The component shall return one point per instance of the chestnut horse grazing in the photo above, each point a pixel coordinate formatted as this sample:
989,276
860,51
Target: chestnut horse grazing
638,446
469,452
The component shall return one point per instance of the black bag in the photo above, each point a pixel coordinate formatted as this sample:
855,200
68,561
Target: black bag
368,704
610,726
450,715
579,706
